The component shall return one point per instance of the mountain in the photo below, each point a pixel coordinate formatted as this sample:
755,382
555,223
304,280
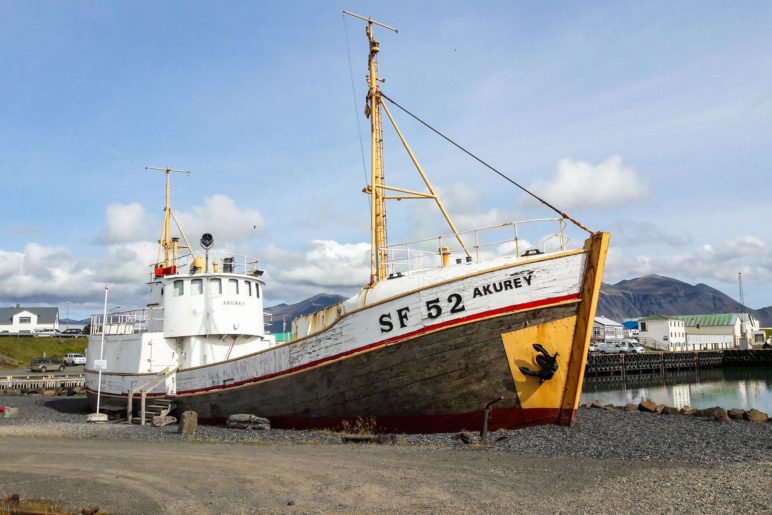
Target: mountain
656,294
64,321
288,312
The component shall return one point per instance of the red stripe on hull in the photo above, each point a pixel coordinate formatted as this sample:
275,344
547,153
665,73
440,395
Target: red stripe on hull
503,418
501,311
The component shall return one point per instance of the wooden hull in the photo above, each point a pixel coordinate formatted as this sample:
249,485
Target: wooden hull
435,379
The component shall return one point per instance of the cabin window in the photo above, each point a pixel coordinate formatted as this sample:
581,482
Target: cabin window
25,320
179,288
196,287
643,326
257,291
215,286
233,286
249,288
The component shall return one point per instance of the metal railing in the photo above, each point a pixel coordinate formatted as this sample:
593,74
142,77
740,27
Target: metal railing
497,240
218,262
124,322
47,382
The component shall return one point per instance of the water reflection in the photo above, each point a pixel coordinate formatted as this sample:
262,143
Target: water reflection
732,387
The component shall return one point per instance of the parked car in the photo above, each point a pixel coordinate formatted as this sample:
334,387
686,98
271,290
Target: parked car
624,346
72,359
45,364
71,333
47,333
593,347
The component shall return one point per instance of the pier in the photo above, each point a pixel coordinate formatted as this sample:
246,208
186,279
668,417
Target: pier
621,365
48,382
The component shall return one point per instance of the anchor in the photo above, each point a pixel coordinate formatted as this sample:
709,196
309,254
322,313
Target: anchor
547,362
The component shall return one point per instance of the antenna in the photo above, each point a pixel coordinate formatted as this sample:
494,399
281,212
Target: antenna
369,20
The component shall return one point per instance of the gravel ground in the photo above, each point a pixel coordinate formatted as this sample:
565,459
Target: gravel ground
607,463
598,434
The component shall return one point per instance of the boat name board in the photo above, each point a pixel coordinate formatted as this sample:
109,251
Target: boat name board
233,303
455,301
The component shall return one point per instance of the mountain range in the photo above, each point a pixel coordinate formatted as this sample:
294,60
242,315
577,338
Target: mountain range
657,294
642,296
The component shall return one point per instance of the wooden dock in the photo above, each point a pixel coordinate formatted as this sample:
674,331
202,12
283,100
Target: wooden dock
47,382
659,362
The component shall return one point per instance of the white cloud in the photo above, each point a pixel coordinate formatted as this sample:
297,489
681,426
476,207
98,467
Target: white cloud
578,184
127,222
710,262
220,216
323,266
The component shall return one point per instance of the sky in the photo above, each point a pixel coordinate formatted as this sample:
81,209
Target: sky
652,120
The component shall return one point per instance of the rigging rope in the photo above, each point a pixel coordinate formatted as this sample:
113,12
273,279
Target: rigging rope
563,214
354,97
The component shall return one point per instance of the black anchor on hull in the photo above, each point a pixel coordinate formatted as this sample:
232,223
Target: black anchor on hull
547,362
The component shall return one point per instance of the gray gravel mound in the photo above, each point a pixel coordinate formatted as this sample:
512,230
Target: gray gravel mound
598,434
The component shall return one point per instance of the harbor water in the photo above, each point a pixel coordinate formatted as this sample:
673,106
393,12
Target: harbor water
729,387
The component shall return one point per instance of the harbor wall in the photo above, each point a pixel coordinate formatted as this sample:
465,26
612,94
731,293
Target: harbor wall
659,362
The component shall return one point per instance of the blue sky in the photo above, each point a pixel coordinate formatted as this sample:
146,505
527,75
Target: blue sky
648,119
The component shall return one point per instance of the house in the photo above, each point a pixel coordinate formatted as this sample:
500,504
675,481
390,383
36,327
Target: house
718,331
27,320
662,332
606,330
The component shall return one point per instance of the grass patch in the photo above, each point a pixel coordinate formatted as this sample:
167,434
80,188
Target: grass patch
20,351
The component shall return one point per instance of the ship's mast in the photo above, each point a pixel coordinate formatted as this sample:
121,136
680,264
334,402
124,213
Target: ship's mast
168,245
377,208
377,189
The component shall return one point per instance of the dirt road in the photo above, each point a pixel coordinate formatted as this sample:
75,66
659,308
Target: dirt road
181,477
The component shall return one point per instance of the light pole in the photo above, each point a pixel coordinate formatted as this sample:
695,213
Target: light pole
100,417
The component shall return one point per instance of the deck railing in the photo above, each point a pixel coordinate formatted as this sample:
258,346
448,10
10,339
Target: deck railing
497,240
222,262
124,322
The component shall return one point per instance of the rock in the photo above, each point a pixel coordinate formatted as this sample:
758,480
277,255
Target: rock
188,423
688,410
669,410
611,408
9,412
660,408
96,418
247,421
648,406
715,413
464,437
736,414
49,393
631,407
166,420
91,510
594,404
755,415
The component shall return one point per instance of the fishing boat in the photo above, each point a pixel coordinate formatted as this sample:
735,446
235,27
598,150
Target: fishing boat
448,332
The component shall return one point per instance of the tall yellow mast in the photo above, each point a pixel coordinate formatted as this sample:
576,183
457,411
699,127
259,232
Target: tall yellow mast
167,244
378,255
